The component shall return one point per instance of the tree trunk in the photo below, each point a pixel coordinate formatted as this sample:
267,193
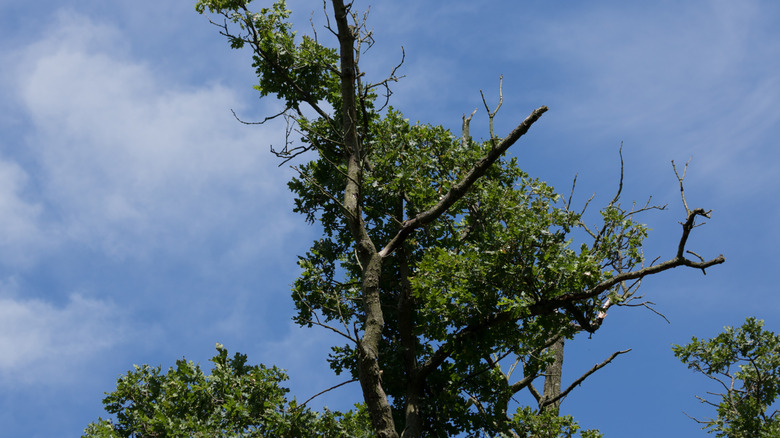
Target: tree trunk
414,385
369,372
552,379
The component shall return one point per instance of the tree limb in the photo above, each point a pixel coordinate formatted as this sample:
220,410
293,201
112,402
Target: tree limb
459,189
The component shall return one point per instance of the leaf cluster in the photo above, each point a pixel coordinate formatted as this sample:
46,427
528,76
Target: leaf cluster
293,71
236,400
531,423
745,361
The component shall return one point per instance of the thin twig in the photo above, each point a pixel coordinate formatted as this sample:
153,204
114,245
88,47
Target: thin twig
323,392
492,114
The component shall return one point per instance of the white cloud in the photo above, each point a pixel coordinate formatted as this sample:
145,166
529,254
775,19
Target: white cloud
20,235
44,343
130,160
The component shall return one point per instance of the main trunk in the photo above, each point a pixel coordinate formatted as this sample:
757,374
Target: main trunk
552,379
369,373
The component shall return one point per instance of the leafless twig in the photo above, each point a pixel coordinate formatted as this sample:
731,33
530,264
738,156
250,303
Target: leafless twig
492,114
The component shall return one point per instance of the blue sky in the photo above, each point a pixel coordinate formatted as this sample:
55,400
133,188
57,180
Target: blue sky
139,222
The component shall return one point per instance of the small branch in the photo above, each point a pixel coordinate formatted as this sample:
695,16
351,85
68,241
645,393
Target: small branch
386,82
680,180
620,183
696,419
333,329
571,194
689,225
585,376
534,392
464,139
300,406
262,121
648,305
492,114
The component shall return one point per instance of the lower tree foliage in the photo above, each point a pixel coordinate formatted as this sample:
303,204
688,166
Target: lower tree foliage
235,400
453,276
745,362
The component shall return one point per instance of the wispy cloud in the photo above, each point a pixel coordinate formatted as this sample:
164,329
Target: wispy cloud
115,161
698,79
44,343
20,232
127,161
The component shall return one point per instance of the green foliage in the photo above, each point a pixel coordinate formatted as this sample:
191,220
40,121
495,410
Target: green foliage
294,72
235,400
505,247
746,362
529,423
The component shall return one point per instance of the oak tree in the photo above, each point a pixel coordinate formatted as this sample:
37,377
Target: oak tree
453,276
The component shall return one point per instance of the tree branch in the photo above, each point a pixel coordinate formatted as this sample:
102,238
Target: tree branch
458,190
583,377
492,114
679,260
300,406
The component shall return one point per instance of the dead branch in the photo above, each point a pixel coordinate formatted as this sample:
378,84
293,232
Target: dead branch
393,77
680,179
464,139
492,114
679,260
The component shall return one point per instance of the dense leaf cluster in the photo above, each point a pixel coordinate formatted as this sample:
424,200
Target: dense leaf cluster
235,400
745,361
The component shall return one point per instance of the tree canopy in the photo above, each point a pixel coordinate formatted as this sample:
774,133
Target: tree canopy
236,399
452,275
745,363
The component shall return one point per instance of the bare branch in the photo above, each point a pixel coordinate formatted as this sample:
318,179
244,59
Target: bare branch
680,179
464,139
679,260
284,111
689,225
571,194
492,114
534,392
647,305
326,326
386,82
583,377
620,183
300,406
